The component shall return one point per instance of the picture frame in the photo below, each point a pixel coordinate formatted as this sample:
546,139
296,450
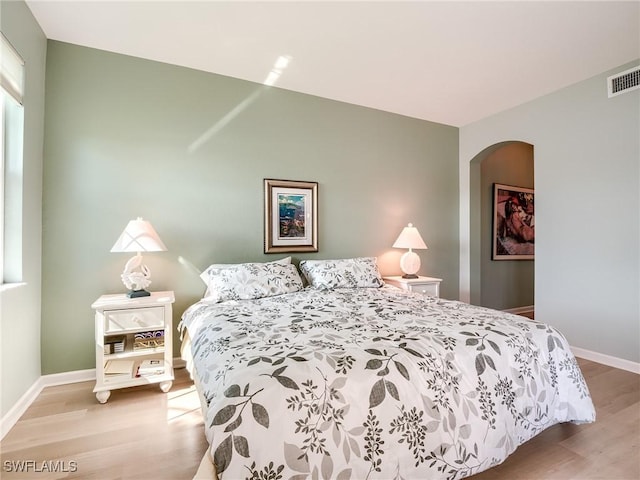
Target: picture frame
513,223
290,216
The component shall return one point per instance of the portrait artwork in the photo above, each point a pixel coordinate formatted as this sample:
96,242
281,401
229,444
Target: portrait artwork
513,223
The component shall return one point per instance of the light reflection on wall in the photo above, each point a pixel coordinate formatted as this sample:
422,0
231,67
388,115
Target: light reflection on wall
278,68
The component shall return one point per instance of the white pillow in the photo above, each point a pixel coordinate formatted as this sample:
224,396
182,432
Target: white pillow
345,273
248,281
219,266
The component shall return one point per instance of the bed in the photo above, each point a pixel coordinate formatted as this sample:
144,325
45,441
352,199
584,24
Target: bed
348,378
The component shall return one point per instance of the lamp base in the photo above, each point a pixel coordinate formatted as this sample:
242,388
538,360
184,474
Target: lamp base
138,293
410,264
410,275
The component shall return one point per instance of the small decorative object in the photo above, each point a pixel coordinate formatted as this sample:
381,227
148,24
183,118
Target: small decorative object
290,216
138,236
514,229
148,340
410,262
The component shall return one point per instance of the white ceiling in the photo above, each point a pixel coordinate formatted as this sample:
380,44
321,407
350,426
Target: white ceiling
450,62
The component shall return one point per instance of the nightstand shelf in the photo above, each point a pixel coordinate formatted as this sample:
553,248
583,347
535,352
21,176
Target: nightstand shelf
124,355
121,323
425,285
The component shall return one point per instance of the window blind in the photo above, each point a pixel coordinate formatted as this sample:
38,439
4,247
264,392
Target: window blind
11,70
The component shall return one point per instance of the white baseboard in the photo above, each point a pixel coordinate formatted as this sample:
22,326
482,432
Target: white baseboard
608,360
51,380
14,414
65,378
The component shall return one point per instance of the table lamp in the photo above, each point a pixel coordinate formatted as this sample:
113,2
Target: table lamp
410,262
138,236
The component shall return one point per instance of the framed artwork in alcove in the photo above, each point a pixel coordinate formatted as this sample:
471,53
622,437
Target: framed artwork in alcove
513,223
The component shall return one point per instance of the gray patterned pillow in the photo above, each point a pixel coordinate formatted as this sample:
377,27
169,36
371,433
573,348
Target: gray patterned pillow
345,273
214,268
248,281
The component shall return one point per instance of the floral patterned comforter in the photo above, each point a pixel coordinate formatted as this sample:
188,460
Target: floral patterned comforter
375,383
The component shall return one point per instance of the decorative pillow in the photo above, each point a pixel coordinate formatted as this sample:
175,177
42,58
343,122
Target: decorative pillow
247,281
206,274
345,273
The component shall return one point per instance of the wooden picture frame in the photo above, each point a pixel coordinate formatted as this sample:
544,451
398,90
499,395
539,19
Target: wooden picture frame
290,216
513,223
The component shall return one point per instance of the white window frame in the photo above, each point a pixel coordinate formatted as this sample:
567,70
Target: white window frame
12,73
3,134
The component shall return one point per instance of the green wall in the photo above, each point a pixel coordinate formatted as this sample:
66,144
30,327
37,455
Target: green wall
188,150
20,302
587,183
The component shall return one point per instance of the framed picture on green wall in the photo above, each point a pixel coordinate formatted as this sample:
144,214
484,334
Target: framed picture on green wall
514,228
290,216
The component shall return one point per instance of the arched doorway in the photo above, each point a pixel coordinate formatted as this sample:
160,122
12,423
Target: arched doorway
509,284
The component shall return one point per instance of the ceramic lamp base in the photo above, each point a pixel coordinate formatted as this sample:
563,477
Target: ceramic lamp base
410,264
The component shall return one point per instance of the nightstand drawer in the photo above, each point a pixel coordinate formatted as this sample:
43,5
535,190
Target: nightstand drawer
429,286
120,320
425,288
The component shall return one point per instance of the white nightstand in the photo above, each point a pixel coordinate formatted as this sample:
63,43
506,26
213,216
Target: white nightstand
133,342
425,285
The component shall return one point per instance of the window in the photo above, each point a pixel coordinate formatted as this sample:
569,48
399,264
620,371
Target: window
11,141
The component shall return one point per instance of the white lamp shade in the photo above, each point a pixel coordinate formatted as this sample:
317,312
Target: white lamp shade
410,238
139,236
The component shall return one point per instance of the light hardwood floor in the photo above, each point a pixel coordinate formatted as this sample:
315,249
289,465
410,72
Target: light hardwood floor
141,433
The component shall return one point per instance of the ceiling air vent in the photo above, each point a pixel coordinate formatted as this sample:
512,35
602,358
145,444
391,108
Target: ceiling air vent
624,82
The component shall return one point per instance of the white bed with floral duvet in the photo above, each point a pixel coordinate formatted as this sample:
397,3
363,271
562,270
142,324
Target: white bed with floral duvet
348,378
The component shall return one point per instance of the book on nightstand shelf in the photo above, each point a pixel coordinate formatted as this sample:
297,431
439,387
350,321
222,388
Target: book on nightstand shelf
154,366
118,368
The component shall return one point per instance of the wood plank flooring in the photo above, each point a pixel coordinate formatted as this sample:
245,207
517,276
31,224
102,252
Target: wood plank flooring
141,433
